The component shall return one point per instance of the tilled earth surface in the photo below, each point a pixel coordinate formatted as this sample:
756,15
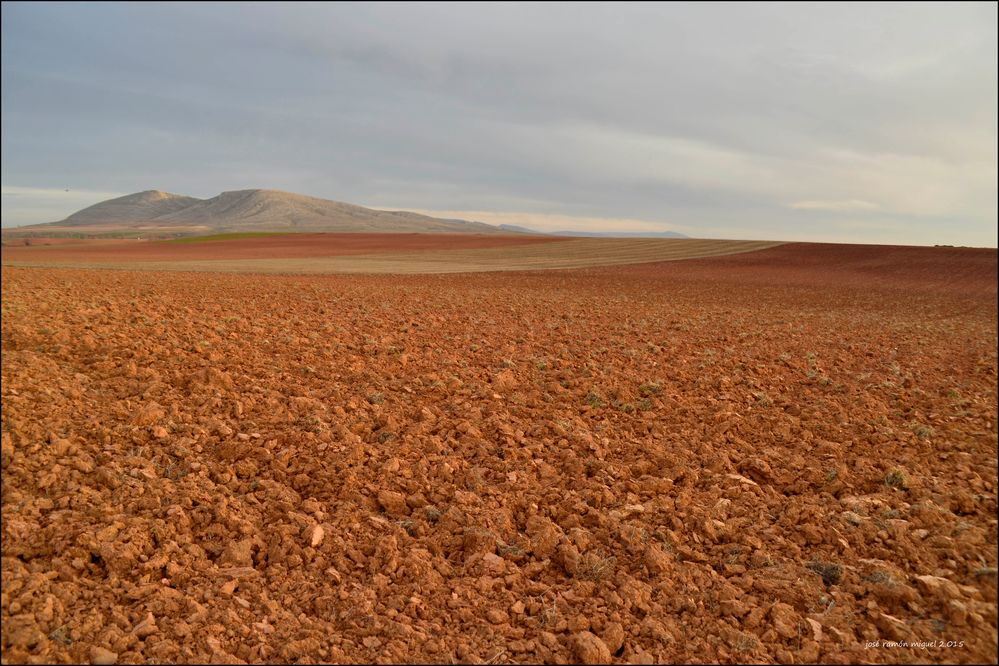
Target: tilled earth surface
291,245
783,456
397,254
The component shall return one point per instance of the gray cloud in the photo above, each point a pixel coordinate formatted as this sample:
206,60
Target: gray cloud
872,122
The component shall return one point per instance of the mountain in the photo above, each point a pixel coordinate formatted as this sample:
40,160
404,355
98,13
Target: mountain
146,205
153,211
274,210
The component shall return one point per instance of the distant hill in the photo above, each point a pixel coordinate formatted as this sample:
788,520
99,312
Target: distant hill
153,211
146,205
513,228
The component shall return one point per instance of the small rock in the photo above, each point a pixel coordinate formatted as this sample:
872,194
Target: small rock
544,536
785,620
630,510
568,557
938,587
465,498
758,470
816,629
613,636
314,534
841,636
809,653
60,445
755,618
147,627
656,630
657,561
589,649
494,564
733,608
99,655
643,657
496,616
852,518
893,627
393,502
159,432
238,554
505,380
957,613
478,540
741,479
148,414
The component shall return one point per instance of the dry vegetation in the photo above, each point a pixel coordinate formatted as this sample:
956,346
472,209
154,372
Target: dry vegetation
773,456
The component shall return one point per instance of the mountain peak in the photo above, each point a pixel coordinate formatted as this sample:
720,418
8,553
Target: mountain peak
130,208
155,195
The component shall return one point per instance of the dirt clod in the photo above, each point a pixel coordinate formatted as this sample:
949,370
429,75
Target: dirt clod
589,649
102,656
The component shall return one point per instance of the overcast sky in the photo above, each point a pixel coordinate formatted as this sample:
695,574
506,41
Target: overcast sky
840,122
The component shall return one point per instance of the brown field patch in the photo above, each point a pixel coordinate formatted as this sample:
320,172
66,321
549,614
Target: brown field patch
959,270
389,253
778,456
283,246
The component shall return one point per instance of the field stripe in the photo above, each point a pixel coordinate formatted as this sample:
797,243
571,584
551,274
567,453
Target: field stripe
577,253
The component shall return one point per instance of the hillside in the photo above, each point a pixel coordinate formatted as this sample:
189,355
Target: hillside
147,205
271,209
153,211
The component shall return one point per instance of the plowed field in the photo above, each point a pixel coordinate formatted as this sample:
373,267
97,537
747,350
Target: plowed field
284,246
376,253
779,456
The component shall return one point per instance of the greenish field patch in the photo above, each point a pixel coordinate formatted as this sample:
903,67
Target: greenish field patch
224,237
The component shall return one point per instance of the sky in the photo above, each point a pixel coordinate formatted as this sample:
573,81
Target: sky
857,123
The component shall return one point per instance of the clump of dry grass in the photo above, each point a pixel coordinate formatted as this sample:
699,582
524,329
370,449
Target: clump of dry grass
831,573
897,479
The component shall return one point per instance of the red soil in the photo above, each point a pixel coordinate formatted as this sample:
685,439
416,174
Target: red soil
736,459
285,246
970,271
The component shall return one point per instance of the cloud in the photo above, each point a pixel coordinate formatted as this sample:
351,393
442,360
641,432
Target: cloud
838,206
724,116
555,222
